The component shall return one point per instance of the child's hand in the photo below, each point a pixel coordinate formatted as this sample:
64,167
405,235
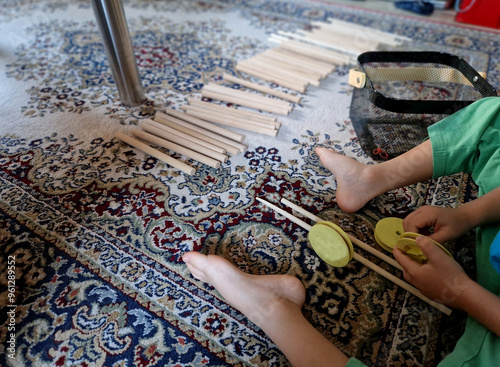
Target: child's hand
447,223
441,279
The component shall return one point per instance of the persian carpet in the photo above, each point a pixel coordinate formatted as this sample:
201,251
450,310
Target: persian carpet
94,230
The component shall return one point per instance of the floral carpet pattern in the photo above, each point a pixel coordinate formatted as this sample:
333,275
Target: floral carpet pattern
92,231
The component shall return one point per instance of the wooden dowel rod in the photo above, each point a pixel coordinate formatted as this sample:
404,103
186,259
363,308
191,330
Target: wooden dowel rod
250,115
324,66
270,77
364,261
206,125
314,51
277,57
328,40
337,24
287,215
229,118
261,88
224,121
155,153
356,37
200,133
276,70
290,83
301,70
230,145
248,95
298,87
188,137
353,239
242,102
375,252
325,46
401,283
153,139
170,134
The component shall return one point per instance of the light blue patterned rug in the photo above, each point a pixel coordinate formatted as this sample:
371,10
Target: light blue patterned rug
95,230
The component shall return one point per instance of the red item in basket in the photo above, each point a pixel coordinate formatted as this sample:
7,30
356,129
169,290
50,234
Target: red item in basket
480,12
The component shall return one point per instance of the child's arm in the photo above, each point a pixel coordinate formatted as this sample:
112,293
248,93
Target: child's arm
449,223
483,210
444,280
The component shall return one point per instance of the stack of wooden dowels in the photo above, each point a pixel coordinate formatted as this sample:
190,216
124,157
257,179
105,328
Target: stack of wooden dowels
248,99
289,68
188,135
234,117
344,40
302,59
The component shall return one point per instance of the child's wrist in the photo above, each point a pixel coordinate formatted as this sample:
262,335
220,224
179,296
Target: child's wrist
468,217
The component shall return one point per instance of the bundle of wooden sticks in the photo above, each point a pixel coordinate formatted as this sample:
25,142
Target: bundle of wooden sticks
302,59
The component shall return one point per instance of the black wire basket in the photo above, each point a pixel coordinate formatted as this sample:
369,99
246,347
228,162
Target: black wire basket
401,93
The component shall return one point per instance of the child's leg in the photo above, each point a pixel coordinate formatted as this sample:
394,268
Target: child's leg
358,183
272,302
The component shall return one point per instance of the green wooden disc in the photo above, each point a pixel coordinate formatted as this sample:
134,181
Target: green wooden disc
409,246
342,233
329,245
388,231
412,235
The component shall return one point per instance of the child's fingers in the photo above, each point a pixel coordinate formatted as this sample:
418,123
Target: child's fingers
409,266
416,221
429,249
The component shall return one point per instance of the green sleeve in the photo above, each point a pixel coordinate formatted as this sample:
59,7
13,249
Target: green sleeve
353,362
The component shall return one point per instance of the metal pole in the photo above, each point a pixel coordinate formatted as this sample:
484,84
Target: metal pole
111,20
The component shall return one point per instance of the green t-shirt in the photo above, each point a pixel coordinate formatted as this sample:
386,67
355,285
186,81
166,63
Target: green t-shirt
469,141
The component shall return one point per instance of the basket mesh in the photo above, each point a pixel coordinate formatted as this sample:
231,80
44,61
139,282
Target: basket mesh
384,134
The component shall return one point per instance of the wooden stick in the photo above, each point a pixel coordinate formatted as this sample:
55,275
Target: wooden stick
402,284
223,139
242,102
366,262
206,125
334,41
312,75
287,215
386,37
343,49
224,121
236,112
273,102
301,88
155,153
354,240
274,69
367,41
185,136
199,133
292,59
324,66
313,51
229,118
260,88
153,139
168,133
303,71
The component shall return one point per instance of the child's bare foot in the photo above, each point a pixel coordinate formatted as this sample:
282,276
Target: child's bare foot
272,302
264,299
356,183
